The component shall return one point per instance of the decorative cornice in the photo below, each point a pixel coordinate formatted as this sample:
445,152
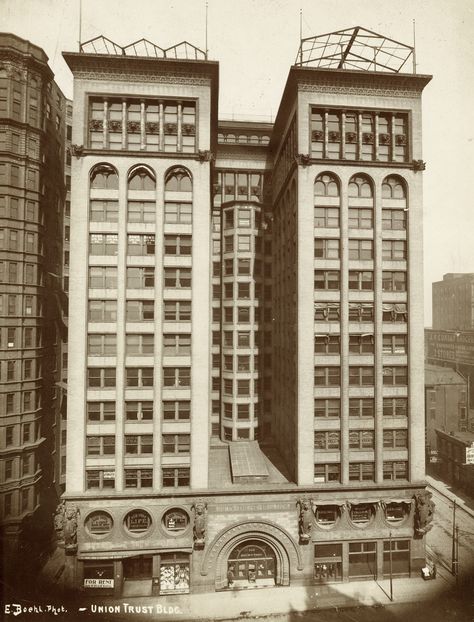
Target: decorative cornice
175,77
355,89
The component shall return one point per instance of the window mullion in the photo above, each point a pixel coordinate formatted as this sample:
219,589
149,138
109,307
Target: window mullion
359,136
392,137
161,127
124,125
343,134
180,125
142,126
326,134
105,128
376,135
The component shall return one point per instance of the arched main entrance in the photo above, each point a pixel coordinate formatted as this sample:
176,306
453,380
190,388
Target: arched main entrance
251,563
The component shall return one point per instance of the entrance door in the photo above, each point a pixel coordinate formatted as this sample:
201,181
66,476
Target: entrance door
137,574
252,563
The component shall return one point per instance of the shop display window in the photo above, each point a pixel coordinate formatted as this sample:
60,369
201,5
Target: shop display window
174,573
327,562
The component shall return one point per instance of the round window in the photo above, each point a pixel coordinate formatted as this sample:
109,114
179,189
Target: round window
396,512
175,520
99,523
137,521
326,515
362,513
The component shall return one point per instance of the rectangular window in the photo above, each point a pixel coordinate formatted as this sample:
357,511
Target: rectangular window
395,406
327,408
361,407
102,345
178,277
102,277
178,244
361,439
100,411
103,211
177,311
362,280
177,377
361,472
137,444
327,376
327,473
176,345
178,213
175,477
176,444
361,218
326,312
102,310
395,344
326,279
140,310
394,249
394,219
138,478
100,445
103,244
140,245
395,470
394,281
327,440
101,377
139,376
361,344
326,248
141,211
139,345
361,249
395,376
362,559
176,410
100,480
139,411
326,344
395,439
361,376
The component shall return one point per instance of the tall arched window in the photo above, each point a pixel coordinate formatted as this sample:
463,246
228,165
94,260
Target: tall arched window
326,201
394,204
104,177
141,208
141,178
361,202
178,196
103,206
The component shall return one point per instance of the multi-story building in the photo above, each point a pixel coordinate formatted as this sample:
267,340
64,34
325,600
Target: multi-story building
245,386
453,302
456,464
32,128
445,403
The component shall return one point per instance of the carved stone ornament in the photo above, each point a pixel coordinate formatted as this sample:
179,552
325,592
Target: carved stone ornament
200,523
133,127
189,129
419,165
317,135
70,529
171,128
205,156
77,150
58,519
368,138
96,125
305,521
351,137
115,126
424,512
334,137
400,140
304,159
152,128
384,139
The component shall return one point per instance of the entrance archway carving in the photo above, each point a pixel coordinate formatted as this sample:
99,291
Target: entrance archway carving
284,547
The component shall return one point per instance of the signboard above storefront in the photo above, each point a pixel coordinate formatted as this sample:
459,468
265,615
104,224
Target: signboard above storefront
99,583
450,346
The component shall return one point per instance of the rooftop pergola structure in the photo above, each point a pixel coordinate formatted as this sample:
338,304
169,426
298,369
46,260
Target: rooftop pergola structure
142,47
354,49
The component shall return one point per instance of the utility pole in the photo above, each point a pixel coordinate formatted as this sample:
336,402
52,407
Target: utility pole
453,546
391,575
457,555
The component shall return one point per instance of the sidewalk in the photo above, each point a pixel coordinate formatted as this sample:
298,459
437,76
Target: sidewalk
253,603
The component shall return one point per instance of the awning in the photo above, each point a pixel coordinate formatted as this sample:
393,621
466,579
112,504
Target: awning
111,555
321,503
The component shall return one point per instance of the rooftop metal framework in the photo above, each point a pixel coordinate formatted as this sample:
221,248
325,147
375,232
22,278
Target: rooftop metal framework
354,48
143,47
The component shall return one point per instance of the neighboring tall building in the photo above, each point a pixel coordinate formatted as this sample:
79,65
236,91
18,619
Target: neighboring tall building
456,462
245,387
32,131
453,302
445,403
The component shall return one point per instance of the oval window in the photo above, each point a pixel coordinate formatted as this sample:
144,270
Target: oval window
362,513
137,521
99,523
326,515
175,520
396,512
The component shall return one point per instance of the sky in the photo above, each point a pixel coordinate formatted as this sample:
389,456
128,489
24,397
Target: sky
256,41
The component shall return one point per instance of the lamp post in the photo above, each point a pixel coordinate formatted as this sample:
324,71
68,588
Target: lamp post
391,576
453,544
